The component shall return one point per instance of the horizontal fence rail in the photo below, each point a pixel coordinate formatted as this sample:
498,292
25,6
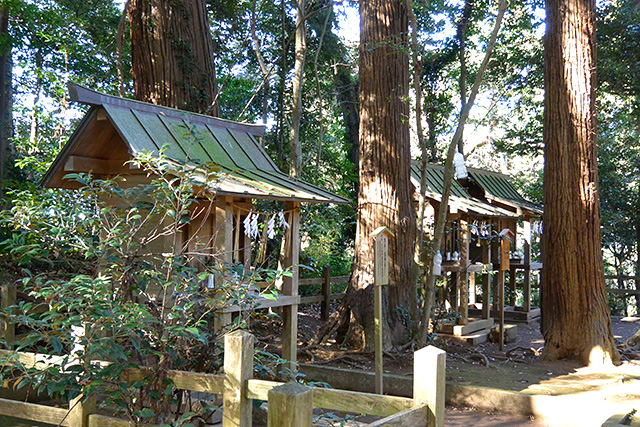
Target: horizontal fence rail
290,404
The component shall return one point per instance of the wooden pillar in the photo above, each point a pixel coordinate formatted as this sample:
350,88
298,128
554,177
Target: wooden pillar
238,368
500,281
512,286
472,288
453,290
8,296
246,249
429,365
288,285
326,292
290,405
224,244
506,237
526,260
464,275
486,282
79,411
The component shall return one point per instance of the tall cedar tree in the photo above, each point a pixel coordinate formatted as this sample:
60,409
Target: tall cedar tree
172,54
575,314
385,195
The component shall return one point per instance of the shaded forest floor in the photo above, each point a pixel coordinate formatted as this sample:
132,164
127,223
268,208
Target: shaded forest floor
519,368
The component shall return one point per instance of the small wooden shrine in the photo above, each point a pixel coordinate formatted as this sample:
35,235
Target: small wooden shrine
480,208
114,130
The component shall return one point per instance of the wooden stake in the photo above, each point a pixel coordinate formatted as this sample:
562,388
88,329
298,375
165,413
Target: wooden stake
379,369
79,411
290,405
238,368
429,365
8,296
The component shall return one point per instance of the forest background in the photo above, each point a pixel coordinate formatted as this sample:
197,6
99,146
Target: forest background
45,44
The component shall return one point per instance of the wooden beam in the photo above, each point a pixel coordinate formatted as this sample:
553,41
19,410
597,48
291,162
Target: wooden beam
100,166
340,400
34,412
415,417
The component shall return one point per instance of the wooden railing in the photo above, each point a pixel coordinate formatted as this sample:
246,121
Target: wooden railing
289,404
623,292
325,296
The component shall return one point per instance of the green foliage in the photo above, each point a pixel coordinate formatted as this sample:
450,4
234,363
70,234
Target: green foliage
113,289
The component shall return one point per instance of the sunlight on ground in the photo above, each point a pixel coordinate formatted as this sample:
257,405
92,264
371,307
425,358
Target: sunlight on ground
589,396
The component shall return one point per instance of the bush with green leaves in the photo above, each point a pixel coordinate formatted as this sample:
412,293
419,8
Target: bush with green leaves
110,286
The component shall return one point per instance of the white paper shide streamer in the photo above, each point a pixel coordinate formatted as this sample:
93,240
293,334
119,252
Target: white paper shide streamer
275,221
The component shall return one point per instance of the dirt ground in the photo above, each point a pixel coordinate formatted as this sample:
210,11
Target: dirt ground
518,368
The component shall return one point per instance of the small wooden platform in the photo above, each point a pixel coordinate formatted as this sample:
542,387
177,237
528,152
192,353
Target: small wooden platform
474,332
474,325
511,315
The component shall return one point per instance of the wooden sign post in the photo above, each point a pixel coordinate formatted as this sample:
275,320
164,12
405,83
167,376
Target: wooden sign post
506,236
381,277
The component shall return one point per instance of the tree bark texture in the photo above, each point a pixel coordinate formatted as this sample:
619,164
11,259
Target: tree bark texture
385,196
172,54
575,315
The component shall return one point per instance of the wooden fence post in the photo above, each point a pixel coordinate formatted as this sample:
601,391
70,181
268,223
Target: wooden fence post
8,296
326,292
79,411
290,405
429,366
238,368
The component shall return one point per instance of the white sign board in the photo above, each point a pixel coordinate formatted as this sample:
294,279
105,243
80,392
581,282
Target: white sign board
381,259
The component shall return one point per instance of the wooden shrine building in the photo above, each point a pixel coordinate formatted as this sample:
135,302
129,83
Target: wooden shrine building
481,207
114,130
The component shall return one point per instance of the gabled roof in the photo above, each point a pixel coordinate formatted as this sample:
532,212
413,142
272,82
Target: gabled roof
186,138
459,197
498,187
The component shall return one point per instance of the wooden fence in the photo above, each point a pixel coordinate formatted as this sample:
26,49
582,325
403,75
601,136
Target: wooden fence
289,404
623,288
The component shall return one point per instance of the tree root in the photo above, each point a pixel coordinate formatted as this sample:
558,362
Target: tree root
336,323
526,351
480,357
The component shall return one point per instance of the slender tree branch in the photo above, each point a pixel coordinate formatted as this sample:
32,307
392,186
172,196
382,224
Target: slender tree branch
448,174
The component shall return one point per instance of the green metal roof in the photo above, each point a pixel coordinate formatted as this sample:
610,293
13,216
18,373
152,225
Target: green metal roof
498,186
459,197
195,139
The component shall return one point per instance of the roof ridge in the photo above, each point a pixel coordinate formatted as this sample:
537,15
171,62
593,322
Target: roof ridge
84,95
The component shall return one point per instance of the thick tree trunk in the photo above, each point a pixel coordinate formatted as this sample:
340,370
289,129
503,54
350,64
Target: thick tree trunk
172,54
576,321
386,193
6,94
